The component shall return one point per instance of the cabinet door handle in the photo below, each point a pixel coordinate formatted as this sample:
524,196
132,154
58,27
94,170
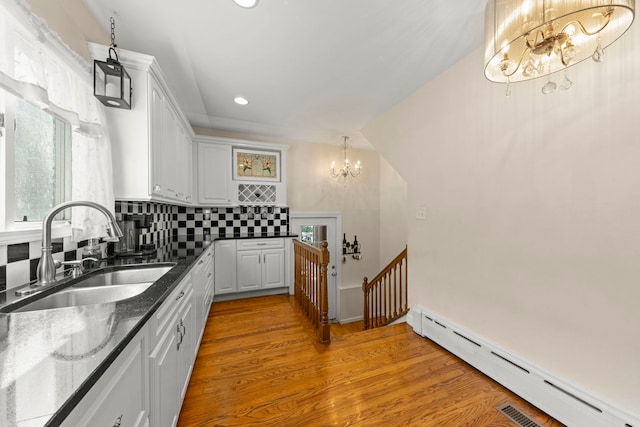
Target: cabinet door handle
118,421
261,244
180,337
180,295
208,275
264,258
201,261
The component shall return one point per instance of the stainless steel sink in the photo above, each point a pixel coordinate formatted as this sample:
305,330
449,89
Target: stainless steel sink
100,288
72,296
124,277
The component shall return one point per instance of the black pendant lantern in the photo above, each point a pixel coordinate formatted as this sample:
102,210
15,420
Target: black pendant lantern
111,82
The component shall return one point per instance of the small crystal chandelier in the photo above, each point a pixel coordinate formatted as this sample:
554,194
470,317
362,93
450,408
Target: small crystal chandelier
527,39
347,170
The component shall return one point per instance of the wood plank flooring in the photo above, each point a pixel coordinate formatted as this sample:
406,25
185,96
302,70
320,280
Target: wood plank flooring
259,364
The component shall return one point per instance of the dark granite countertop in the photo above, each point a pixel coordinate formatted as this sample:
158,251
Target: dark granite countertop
255,236
49,359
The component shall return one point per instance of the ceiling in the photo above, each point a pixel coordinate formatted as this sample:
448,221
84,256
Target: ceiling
312,70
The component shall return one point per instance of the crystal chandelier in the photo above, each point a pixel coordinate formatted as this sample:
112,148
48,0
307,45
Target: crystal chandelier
347,170
527,39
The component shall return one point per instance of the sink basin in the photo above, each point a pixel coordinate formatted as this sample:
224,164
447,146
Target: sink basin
72,296
101,288
126,276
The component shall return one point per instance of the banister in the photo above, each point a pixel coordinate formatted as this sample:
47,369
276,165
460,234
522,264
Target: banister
310,285
385,297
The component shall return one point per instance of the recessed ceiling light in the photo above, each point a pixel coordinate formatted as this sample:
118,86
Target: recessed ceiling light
240,100
246,3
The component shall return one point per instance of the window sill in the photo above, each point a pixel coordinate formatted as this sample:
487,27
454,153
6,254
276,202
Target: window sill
33,232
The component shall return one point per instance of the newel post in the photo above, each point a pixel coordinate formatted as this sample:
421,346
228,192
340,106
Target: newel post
365,312
324,331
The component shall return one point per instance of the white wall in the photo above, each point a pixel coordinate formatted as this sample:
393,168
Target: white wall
393,213
310,188
532,237
74,23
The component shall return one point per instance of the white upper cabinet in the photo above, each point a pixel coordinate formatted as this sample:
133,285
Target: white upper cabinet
214,174
151,143
217,180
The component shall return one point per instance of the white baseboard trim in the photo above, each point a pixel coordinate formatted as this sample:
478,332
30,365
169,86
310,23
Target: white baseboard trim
250,294
555,396
350,320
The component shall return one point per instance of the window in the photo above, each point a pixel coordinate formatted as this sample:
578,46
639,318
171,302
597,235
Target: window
38,69
42,162
306,234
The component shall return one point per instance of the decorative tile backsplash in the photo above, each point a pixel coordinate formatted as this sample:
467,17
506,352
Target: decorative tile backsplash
18,262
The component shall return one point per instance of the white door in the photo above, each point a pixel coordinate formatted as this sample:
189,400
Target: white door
332,221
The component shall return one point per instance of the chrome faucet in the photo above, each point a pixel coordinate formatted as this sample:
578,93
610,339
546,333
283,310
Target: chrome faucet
46,272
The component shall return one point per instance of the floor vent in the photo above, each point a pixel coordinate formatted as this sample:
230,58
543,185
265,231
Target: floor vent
515,415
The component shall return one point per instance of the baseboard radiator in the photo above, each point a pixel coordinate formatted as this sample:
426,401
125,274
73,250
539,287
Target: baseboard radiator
561,400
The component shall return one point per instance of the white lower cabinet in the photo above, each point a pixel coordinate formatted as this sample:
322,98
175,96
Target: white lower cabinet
171,360
243,265
260,269
225,267
146,384
121,395
202,275
260,264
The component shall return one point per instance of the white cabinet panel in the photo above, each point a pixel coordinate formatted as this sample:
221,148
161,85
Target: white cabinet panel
120,397
186,347
214,174
202,275
249,270
225,267
164,380
171,360
273,268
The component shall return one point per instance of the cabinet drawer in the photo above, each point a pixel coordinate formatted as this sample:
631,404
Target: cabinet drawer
253,244
120,396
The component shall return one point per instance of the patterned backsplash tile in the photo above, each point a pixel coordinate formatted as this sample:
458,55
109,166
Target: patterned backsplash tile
18,262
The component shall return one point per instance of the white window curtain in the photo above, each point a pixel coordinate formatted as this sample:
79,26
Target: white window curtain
36,65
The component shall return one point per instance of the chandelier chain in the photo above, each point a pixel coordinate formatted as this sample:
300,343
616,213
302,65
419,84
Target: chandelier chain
113,32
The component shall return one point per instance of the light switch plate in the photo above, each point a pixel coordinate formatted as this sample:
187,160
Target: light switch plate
421,213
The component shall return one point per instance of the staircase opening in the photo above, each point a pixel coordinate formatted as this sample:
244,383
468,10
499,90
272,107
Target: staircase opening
385,297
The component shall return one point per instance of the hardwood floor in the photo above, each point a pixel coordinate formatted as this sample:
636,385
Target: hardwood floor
260,365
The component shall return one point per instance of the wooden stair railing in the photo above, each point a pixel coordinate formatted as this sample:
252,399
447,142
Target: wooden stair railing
385,297
310,283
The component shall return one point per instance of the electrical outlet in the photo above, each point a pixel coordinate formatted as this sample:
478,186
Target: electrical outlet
421,213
